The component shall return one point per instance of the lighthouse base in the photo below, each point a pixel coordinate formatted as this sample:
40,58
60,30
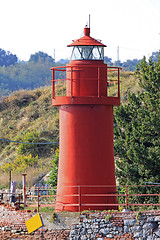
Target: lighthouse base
86,174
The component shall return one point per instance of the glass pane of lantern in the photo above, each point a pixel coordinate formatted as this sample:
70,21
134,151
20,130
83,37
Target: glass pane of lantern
86,52
76,54
101,49
98,53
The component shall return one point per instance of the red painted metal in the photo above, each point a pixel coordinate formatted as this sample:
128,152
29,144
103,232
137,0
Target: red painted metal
86,134
86,40
98,98
80,203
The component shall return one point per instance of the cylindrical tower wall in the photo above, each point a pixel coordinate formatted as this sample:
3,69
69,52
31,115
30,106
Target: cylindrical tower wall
86,78
86,155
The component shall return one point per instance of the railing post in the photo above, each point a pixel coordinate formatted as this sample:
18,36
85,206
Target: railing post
79,194
38,199
107,81
71,82
9,181
53,83
19,200
126,197
118,83
24,189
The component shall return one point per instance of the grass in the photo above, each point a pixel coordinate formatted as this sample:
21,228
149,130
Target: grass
23,111
33,175
41,209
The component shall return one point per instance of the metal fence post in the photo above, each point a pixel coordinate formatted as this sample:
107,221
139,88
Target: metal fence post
24,189
126,197
38,199
53,83
79,194
118,83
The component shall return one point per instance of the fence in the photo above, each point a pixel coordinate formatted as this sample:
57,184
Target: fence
127,196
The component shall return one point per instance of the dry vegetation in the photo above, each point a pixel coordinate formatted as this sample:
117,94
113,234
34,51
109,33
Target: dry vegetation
26,111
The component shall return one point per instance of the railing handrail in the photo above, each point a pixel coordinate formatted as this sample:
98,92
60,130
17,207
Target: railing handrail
81,194
78,68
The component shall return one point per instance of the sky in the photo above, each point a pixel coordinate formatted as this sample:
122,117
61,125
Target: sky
29,26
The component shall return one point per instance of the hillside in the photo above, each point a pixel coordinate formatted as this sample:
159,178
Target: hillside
28,116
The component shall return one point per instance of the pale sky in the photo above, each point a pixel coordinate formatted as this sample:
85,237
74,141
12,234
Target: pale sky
29,26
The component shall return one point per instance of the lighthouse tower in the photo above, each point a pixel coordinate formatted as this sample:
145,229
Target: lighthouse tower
86,174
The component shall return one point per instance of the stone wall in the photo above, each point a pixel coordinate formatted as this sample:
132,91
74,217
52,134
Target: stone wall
117,225
75,226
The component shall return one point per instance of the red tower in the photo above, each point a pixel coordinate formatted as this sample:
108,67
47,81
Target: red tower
86,174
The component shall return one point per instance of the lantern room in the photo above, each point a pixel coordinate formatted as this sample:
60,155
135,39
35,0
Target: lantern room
87,48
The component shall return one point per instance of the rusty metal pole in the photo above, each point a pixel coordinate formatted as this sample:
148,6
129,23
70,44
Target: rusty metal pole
10,179
79,194
126,197
24,189
53,83
118,82
38,200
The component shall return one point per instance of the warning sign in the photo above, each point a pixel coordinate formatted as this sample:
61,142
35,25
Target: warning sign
34,223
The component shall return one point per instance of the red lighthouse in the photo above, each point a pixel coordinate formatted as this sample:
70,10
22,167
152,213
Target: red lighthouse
86,174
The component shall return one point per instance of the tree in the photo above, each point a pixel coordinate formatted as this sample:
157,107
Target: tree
130,65
41,56
7,58
154,56
108,60
137,129
54,169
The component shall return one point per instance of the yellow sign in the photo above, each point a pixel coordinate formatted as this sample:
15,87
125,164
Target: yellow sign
34,223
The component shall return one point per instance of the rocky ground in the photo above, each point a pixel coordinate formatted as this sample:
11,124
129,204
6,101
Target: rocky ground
56,235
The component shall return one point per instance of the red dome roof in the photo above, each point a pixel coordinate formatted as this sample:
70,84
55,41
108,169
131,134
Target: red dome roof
86,40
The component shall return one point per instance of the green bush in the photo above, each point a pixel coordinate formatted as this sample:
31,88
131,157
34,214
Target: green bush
21,163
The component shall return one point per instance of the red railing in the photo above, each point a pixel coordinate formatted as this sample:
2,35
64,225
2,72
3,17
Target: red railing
126,202
71,70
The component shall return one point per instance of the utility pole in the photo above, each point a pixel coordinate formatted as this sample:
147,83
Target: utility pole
54,55
118,54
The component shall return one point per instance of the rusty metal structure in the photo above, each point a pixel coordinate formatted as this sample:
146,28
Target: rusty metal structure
86,127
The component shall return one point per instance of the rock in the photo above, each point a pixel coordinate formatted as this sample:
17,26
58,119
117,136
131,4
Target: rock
129,222
109,236
150,219
151,238
104,231
149,226
138,234
83,231
157,233
157,219
126,210
136,228
126,229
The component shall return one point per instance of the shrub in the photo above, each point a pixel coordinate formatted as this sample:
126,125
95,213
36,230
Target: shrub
21,163
31,136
